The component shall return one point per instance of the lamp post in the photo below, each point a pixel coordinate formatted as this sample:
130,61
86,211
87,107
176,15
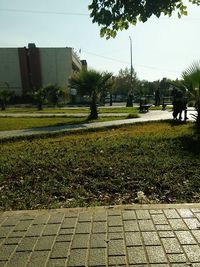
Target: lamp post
130,96
131,49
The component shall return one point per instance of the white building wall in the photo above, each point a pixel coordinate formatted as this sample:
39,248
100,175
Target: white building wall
10,70
56,65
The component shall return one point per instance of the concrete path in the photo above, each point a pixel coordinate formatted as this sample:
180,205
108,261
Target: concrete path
134,235
150,116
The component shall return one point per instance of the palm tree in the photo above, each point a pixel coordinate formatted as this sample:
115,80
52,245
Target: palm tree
191,77
39,96
92,83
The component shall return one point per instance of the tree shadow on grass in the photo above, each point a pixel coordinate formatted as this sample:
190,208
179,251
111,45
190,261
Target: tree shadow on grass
190,144
175,123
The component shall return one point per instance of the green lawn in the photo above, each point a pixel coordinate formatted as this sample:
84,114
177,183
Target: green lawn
71,110
8,123
102,167
46,110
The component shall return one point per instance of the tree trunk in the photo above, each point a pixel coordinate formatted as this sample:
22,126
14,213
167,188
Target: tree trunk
3,106
198,117
111,102
129,102
40,106
93,108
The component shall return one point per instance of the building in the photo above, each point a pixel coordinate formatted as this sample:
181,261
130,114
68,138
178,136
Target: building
27,69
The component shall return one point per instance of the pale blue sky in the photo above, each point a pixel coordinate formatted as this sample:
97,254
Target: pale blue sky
161,47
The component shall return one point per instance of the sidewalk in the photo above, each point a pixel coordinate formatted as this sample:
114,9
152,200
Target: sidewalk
133,235
150,116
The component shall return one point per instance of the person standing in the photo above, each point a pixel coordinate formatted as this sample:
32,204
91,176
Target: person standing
177,101
157,97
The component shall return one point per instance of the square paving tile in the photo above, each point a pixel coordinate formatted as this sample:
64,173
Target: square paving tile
123,236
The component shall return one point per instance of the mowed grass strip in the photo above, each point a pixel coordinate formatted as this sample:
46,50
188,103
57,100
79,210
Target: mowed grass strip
104,167
8,123
85,110
45,110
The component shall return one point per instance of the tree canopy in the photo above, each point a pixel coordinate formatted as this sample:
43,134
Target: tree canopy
122,82
115,15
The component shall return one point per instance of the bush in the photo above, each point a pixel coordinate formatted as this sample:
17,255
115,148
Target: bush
132,116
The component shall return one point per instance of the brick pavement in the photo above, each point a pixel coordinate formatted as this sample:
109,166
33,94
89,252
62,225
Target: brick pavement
133,235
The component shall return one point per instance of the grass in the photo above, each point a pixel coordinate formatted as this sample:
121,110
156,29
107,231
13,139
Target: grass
102,167
86,110
118,110
160,107
8,123
71,110
46,110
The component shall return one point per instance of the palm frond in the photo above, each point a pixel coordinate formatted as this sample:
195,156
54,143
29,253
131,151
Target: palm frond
191,78
191,75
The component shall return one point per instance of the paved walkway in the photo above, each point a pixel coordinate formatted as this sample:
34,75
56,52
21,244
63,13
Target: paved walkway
150,116
134,235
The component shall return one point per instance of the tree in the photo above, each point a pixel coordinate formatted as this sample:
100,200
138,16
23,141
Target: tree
147,88
191,77
54,93
39,96
122,83
107,87
5,96
92,83
164,86
117,15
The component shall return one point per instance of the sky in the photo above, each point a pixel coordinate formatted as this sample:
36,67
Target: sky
162,47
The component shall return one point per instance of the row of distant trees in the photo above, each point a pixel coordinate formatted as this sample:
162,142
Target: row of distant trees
50,94
97,85
119,85
122,85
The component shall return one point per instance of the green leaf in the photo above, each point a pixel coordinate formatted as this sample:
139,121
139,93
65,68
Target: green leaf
184,13
119,14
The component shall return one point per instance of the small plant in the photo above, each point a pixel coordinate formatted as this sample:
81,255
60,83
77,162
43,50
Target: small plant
132,116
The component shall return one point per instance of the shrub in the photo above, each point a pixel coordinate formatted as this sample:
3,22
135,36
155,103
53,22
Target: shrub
132,116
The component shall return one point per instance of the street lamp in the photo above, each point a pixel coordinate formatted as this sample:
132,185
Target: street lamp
130,95
131,65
